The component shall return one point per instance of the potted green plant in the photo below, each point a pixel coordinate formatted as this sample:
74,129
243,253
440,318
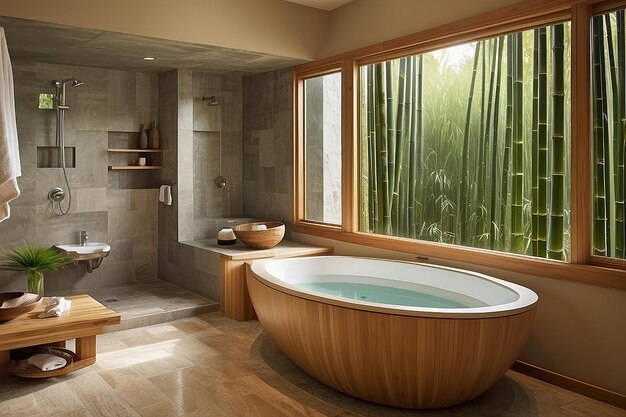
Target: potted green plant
33,260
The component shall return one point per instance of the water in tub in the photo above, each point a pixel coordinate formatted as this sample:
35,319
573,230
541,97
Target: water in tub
380,293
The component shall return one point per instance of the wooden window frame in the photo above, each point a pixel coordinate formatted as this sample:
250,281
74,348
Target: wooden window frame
583,267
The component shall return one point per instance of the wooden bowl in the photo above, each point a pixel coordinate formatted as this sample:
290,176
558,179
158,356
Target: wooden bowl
10,313
260,239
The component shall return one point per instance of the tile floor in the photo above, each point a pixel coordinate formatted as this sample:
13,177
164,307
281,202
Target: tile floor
149,302
213,366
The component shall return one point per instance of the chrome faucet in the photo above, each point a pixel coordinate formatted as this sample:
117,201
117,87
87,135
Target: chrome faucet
83,237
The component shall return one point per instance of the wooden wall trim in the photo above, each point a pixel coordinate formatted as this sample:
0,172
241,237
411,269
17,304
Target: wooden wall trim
571,384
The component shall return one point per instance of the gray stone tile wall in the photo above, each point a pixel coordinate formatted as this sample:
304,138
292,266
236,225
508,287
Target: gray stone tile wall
192,160
125,218
268,146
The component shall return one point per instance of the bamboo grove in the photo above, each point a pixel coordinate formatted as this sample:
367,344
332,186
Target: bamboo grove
609,111
472,148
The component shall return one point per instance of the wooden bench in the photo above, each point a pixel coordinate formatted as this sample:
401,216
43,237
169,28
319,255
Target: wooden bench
86,319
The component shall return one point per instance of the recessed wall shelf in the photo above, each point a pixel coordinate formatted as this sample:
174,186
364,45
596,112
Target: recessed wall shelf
116,168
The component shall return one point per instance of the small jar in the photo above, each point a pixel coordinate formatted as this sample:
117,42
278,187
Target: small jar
226,236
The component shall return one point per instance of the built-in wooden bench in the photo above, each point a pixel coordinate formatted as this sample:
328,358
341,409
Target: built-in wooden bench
86,319
235,298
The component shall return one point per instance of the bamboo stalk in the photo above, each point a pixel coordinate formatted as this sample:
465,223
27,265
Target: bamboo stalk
535,144
617,142
542,147
488,131
555,237
464,191
506,164
621,131
493,229
517,190
600,241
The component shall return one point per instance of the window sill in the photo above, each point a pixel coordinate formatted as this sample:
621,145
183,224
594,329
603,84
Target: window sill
610,277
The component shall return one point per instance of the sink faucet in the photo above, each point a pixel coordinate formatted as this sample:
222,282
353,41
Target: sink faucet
83,237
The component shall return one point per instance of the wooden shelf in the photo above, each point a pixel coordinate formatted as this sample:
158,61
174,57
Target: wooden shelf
133,167
122,150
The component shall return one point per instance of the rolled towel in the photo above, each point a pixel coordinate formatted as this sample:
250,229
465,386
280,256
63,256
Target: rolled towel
56,310
259,227
47,362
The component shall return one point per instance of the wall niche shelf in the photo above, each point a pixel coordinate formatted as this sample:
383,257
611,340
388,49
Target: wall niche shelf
121,150
133,167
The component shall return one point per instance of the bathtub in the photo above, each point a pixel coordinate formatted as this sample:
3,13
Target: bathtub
395,333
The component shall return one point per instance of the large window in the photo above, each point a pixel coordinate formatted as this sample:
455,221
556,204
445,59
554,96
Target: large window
322,148
469,145
496,141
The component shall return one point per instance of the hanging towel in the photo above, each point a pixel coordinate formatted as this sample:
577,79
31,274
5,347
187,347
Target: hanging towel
168,196
165,195
10,167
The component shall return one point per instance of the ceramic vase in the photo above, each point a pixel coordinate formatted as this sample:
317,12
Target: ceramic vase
154,141
143,138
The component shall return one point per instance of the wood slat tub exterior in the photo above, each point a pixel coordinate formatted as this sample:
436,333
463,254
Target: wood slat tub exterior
393,359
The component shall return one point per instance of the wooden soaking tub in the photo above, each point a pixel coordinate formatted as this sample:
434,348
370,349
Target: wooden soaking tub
396,333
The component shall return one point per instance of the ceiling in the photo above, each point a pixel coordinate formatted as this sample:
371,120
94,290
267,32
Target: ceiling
322,4
34,41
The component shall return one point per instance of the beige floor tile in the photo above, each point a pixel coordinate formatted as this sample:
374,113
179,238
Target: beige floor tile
211,366
99,398
59,398
83,412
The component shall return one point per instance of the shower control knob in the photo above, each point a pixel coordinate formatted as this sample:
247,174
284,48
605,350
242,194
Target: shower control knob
56,194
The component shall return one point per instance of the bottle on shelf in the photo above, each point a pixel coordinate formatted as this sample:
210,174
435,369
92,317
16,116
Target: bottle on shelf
154,141
143,138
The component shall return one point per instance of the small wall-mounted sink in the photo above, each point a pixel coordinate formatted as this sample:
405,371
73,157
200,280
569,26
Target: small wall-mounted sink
91,247
91,253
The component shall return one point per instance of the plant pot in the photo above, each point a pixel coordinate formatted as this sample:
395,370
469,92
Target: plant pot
35,282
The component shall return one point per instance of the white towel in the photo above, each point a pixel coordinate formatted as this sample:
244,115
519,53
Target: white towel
47,362
10,167
56,306
165,195
162,193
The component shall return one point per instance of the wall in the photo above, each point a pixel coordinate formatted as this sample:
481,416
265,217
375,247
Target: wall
366,22
192,150
217,150
268,146
269,26
125,218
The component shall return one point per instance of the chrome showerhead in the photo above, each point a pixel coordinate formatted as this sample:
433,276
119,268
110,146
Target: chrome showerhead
74,82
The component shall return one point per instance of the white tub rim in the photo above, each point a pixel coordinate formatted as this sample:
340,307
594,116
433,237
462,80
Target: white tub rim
527,299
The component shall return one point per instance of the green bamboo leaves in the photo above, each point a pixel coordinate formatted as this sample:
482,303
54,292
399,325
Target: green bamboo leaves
472,149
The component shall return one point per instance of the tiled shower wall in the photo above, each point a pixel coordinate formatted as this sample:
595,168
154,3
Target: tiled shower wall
268,146
126,218
191,159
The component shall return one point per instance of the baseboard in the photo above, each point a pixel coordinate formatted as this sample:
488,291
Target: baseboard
571,384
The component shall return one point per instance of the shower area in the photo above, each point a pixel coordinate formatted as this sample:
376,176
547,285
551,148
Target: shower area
217,153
